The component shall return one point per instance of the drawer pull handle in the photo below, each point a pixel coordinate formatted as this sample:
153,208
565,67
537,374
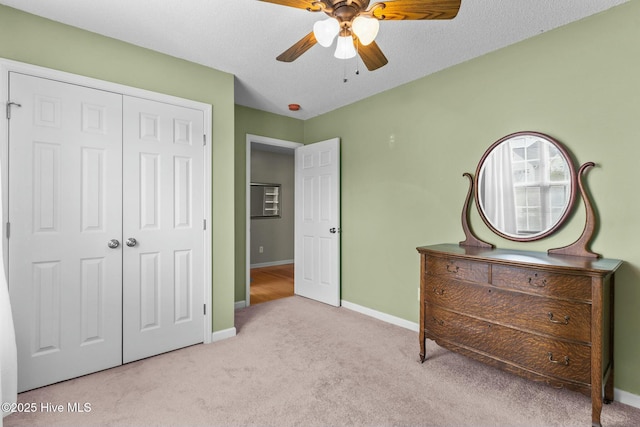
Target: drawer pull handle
559,322
564,362
537,284
438,291
453,270
439,322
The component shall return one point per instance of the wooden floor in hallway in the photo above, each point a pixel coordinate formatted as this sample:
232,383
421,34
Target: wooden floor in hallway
270,283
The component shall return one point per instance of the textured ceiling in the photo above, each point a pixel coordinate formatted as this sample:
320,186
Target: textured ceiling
243,37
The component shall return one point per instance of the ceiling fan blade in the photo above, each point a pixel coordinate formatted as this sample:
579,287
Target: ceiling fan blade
417,9
298,49
300,4
372,56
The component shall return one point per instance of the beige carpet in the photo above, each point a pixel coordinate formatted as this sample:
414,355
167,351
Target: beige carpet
296,362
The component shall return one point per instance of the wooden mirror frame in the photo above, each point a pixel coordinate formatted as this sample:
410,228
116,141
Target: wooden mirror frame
569,203
578,248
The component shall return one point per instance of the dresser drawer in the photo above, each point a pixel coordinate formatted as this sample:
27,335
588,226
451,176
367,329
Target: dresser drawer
557,318
542,282
460,269
546,356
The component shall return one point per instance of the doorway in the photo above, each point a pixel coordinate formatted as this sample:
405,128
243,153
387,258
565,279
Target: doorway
270,267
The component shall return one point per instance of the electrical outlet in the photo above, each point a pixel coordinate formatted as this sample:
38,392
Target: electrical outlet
261,249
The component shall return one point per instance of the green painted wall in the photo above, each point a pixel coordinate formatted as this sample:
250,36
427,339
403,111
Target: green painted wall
30,39
254,122
402,183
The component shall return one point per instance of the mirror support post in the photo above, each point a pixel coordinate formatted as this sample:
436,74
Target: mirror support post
471,239
581,246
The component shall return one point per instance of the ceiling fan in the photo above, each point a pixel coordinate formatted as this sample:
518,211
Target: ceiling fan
356,24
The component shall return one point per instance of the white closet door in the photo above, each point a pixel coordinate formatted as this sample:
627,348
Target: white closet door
164,212
65,144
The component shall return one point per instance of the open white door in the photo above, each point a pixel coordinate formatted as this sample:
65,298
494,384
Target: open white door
317,221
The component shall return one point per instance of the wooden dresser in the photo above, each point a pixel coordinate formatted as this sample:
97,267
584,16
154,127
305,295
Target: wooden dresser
548,318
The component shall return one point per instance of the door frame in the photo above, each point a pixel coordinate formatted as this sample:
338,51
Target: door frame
274,142
7,66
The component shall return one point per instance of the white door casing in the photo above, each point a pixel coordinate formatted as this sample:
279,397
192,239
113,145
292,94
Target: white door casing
163,169
317,221
65,205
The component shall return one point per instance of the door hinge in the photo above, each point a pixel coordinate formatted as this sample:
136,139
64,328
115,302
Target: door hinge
204,139
9,104
8,229
205,309
204,224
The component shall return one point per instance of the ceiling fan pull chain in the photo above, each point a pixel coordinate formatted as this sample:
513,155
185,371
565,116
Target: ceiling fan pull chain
344,72
357,57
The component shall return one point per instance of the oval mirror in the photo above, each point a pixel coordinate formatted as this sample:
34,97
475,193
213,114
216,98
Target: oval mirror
525,186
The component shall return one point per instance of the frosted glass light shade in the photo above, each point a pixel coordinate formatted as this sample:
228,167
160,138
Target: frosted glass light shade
345,48
366,29
325,31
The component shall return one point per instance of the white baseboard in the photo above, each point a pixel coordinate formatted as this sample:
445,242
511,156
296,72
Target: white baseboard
618,395
398,321
240,304
272,263
223,334
626,398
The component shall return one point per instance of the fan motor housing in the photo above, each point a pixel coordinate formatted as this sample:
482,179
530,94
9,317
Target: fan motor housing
346,11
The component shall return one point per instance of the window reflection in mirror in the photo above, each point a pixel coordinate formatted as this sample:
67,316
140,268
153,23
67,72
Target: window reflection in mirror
524,186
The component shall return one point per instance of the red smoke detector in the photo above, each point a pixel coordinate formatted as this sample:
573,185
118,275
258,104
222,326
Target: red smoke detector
294,107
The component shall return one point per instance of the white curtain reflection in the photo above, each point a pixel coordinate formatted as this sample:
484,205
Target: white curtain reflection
496,183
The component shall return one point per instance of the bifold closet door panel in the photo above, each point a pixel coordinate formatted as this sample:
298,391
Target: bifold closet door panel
65,205
163,172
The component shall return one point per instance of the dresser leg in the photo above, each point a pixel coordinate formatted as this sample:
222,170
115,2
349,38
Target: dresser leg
596,410
608,385
423,344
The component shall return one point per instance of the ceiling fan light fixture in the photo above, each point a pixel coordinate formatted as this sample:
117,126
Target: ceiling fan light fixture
345,48
325,31
366,29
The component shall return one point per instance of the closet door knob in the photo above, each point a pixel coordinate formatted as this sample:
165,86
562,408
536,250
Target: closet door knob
113,243
131,242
